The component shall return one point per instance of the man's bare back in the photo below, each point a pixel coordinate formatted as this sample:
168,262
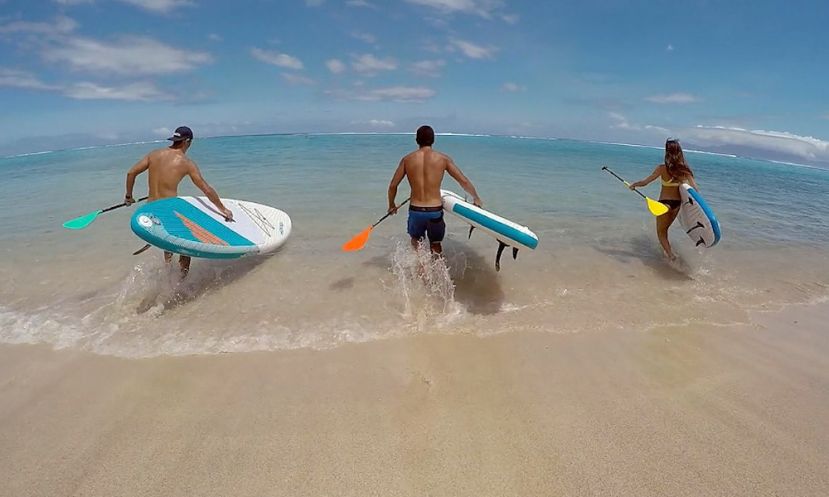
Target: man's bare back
424,169
166,168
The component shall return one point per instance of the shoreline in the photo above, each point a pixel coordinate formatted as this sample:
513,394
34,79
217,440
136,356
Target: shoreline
696,410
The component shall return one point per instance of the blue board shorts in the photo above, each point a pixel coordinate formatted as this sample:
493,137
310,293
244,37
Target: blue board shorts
426,221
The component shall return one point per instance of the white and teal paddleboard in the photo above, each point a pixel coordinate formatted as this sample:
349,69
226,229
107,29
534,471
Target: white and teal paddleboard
697,218
507,233
193,226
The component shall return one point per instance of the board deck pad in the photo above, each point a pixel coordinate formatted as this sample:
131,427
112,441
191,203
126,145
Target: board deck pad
194,226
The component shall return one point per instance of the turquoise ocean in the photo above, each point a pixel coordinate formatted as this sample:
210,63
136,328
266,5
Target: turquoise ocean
598,266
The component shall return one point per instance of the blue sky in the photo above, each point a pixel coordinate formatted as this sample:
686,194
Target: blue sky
735,75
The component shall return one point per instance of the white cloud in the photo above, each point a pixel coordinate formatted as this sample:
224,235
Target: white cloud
11,78
276,58
62,25
621,122
472,50
513,87
806,147
336,66
482,8
366,37
376,123
670,48
128,56
673,98
314,3
298,79
141,91
159,6
394,93
429,68
215,37
360,3
511,18
369,64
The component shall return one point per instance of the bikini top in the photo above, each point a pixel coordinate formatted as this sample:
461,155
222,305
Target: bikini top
672,182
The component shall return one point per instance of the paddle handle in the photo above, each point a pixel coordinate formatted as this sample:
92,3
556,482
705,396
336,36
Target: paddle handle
122,205
389,213
605,168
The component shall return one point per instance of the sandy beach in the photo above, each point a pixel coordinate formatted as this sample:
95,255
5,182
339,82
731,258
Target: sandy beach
737,410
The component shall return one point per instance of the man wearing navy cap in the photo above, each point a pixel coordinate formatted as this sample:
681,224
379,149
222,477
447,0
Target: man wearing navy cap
167,167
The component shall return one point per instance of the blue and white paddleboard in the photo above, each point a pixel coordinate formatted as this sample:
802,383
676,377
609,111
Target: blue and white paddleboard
697,218
193,226
508,233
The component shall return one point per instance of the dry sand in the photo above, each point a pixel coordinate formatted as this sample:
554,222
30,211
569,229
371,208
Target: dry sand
683,411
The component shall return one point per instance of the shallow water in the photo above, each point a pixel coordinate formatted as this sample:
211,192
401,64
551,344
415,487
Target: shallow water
598,264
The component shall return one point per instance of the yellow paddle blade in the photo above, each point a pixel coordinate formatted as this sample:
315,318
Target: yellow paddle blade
656,208
358,242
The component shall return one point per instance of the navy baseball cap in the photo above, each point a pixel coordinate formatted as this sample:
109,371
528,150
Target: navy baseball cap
182,133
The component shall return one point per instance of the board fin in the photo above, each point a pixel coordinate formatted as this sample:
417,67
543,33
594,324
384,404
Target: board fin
699,225
514,253
470,232
501,247
142,249
700,242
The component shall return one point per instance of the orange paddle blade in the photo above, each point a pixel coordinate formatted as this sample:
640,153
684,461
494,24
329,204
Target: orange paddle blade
358,242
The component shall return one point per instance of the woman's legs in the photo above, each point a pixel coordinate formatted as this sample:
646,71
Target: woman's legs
664,222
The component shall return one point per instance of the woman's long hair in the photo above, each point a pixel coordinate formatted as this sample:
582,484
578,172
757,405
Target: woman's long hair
675,161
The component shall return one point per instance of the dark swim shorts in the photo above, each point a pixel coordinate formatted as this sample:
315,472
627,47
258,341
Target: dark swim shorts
427,221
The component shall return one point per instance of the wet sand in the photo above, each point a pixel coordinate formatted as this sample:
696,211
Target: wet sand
691,411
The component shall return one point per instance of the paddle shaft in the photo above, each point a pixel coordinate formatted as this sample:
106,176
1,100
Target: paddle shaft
389,213
625,182
121,205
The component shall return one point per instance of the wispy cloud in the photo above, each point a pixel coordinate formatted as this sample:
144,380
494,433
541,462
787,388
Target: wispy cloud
159,6
482,8
62,25
430,68
621,122
376,123
298,79
142,91
472,50
336,66
369,64
362,36
673,98
215,37
513,87
314,3
276,58
394,93
12,78
155,6
360,3
805,147
132,55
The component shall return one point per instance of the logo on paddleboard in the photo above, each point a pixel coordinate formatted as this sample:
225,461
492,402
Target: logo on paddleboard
145,221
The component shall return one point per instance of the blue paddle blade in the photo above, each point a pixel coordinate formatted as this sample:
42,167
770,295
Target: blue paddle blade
82,222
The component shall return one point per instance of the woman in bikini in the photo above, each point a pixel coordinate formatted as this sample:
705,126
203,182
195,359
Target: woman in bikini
673,173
